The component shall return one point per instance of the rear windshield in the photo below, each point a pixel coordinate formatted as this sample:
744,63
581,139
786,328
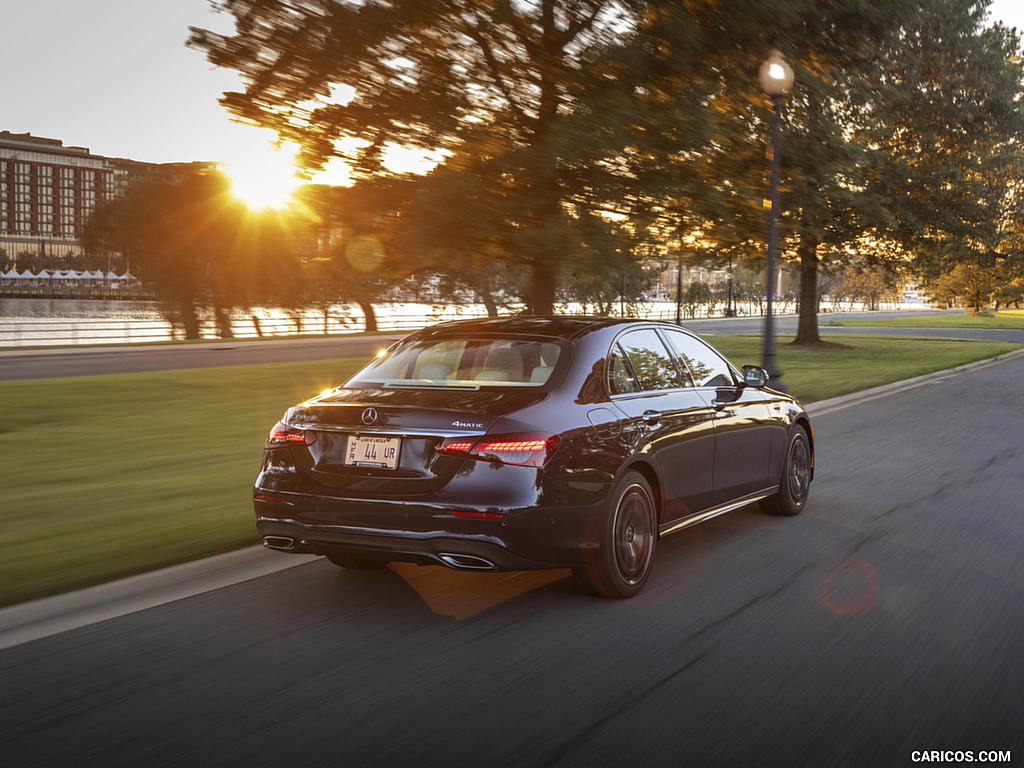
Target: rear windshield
472,363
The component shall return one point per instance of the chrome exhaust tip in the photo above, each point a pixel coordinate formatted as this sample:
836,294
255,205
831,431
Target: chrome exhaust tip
280,543
466,562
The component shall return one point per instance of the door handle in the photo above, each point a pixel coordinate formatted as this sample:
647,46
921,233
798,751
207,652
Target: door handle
651,417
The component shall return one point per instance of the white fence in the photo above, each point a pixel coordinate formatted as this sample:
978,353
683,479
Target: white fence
150,327
57,323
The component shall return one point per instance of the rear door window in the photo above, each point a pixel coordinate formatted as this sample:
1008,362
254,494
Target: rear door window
620,375
650,360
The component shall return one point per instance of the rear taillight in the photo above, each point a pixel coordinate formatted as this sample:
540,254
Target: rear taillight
282,434
528,449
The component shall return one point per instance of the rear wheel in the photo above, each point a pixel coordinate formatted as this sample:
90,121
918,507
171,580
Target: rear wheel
355,562
620,568
796,477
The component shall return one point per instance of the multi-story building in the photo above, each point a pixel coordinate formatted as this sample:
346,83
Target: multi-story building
48,191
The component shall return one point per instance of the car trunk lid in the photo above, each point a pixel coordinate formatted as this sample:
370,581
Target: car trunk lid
376,441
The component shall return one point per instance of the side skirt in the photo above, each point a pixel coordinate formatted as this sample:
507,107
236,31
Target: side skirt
677,525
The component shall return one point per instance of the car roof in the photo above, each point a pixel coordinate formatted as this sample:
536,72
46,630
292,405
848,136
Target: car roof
557,326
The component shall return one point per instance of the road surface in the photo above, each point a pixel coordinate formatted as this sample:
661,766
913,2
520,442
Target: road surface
885,620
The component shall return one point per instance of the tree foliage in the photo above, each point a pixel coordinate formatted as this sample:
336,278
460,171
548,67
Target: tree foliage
197,246
575,137
972,285
947,119
490,86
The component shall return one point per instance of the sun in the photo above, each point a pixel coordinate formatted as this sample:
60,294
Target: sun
264,176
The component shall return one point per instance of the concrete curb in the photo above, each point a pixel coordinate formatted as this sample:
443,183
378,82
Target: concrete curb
50,616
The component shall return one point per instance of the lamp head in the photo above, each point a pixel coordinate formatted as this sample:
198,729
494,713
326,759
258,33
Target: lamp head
776,75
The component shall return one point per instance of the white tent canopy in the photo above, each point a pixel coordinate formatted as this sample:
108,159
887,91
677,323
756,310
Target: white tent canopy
71,276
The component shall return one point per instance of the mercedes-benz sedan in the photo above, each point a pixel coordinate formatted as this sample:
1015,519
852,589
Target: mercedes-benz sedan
523,443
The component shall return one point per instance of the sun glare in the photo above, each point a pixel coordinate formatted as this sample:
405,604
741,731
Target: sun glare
265,178
263,173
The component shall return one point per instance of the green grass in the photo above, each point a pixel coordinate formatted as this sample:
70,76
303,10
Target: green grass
870,361
106,476
1005,320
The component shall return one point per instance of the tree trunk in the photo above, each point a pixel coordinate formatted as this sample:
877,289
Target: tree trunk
223,323
488,302
541,301
369,314
483,289
807,329
189,319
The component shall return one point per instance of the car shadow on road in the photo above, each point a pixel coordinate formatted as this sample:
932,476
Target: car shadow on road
681,562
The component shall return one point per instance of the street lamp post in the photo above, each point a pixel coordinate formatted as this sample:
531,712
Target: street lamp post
729,311
679,290
776,78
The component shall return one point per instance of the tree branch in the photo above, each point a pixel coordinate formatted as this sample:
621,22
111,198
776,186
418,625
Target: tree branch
579,25
495,68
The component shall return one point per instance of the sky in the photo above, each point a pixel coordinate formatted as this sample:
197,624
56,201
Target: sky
114,76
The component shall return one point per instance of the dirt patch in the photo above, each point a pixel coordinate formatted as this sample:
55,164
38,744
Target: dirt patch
818,345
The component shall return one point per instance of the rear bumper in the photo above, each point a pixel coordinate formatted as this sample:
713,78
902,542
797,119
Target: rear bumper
522,540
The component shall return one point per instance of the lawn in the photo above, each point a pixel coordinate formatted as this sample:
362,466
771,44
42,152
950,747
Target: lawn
1011,319
870,361
106,476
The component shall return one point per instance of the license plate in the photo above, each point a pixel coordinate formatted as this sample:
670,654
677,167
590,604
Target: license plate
369,451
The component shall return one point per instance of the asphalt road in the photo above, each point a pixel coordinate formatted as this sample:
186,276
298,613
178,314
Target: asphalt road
92,361
884,620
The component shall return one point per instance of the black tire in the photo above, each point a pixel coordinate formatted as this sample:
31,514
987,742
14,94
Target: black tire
355,562
619,569
795,482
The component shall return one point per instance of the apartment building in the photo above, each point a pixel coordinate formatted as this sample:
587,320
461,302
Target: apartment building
48,191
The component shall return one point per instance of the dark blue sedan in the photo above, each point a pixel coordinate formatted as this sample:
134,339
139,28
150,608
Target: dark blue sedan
523,443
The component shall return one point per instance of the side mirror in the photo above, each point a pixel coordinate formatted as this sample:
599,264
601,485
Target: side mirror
755,376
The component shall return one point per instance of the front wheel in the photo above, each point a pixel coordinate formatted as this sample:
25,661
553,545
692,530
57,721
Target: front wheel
620,568
796,477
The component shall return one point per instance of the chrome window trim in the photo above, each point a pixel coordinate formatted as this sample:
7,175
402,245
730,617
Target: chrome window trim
677,525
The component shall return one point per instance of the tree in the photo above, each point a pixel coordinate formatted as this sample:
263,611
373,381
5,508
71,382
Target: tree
196,246
697,294
351,238
858,96
476,82
871,285
572,133
1009,281
719,167
966,284
947,120
452,228
825,204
